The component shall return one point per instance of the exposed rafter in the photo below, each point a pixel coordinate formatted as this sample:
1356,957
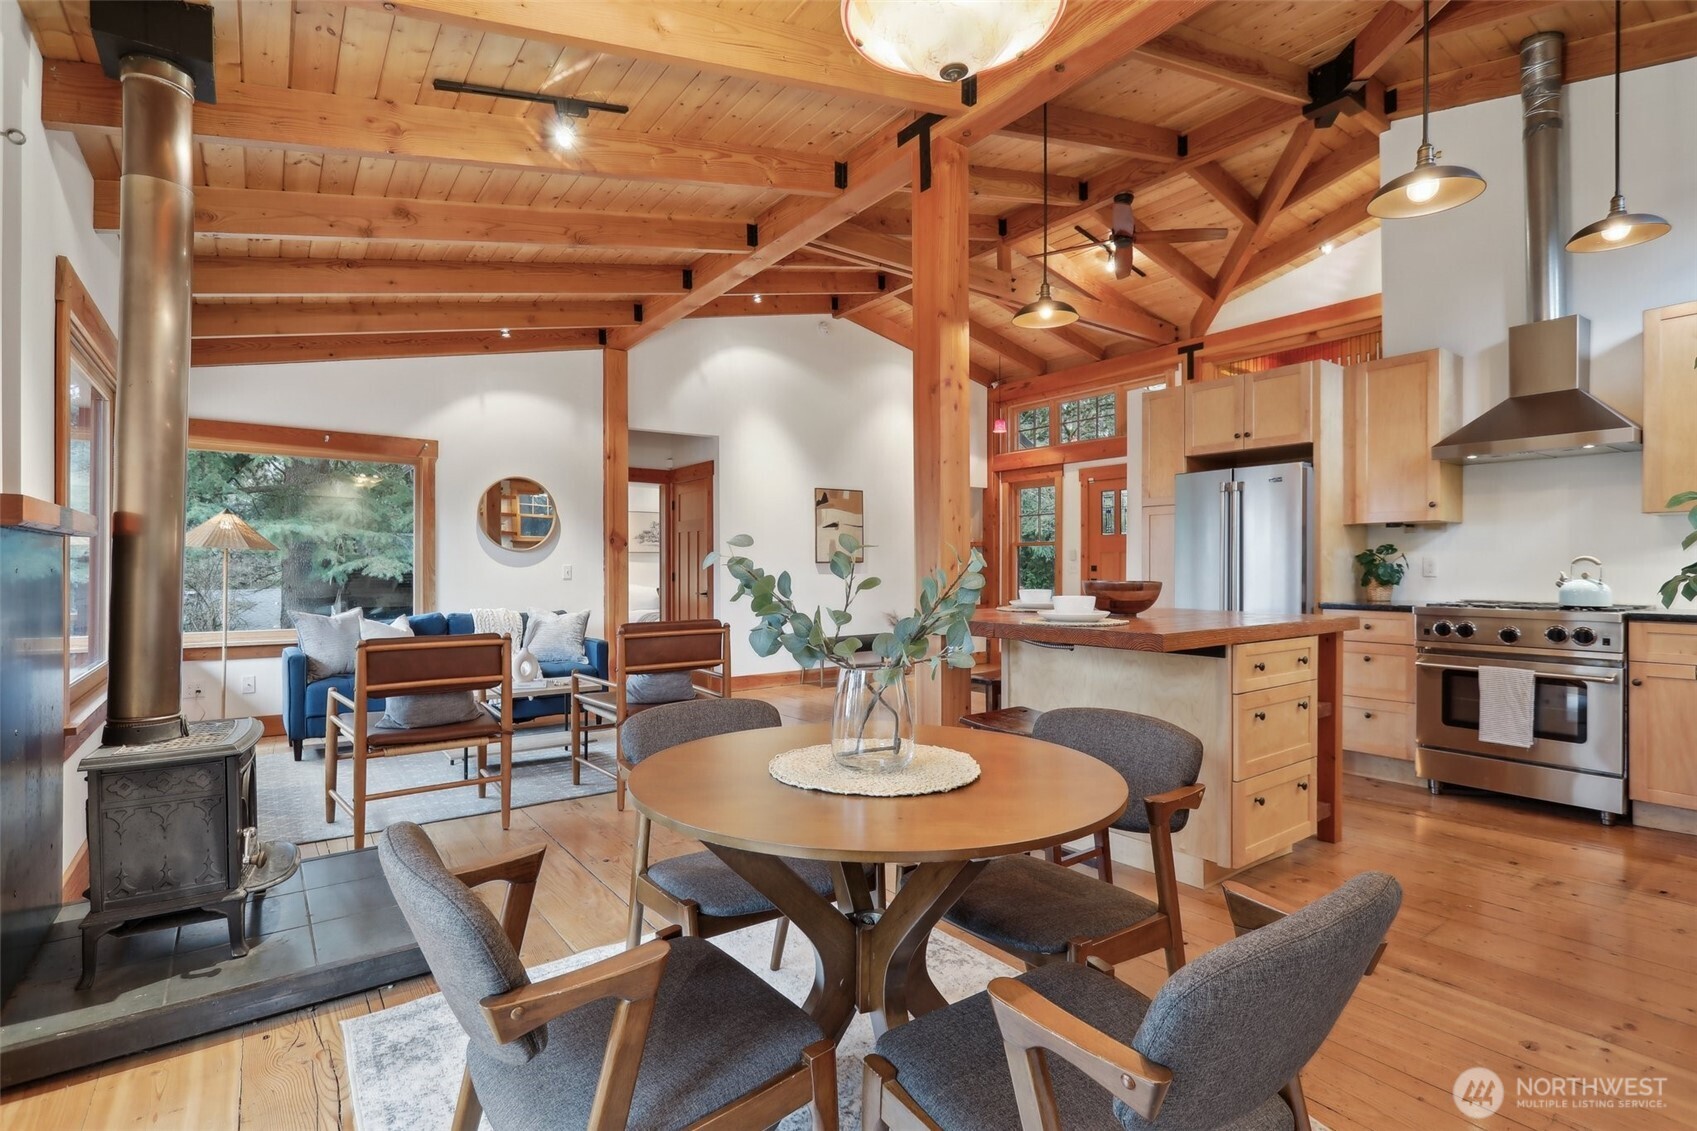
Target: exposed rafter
1333,225
246,276
1230,64
271,351
270,319
1100,131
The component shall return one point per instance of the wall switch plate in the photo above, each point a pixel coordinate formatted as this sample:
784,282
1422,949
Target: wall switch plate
565,573
250,684
1428,566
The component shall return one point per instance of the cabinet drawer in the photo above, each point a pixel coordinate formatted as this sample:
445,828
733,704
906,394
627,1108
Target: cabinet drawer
1659,642
1272,811
1272,663
1382,628
1378,726
1379,671
1273,728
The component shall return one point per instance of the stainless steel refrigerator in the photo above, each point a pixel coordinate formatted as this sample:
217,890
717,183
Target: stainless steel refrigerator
1244,539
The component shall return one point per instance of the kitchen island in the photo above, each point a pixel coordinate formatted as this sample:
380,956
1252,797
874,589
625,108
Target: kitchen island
1260,691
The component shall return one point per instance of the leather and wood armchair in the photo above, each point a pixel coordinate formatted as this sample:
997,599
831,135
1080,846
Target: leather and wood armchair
1041,911
715,1045
646,648
1220,1047
410,666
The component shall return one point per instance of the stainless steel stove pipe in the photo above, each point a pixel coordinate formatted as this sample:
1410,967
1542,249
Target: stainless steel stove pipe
156,234
1541,134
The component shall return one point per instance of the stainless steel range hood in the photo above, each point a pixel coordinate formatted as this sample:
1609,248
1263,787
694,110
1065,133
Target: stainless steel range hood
1550,410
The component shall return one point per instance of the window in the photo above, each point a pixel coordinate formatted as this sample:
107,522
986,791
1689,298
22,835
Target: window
352,515
1036,545
1091,418
85,374
1034,427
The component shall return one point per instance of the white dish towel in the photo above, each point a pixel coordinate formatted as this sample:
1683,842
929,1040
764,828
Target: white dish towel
1506,699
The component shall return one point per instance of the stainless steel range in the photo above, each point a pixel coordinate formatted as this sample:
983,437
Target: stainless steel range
1578,660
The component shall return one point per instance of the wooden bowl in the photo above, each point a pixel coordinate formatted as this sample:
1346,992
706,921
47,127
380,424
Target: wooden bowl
1127,597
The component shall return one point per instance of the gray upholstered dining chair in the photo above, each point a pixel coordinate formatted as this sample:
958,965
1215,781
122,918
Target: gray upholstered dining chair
698,891
660,1037
1043,912
1220,1048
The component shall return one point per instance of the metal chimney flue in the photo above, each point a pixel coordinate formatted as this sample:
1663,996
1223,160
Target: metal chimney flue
156,234
1541,134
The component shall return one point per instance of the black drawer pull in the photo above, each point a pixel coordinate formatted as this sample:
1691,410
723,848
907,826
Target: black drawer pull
1260,667
1260,716
1302,704
1260,801
1366,659
1366,626
1302,659
1638,683
1302,785
1367,714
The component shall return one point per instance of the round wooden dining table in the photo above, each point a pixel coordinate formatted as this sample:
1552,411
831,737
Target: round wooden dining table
1029,794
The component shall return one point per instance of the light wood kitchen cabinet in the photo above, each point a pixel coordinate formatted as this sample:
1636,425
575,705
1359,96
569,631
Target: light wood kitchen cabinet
1662,715
1250,411
1272,811
1670,404
1159,553
1163,445
1378,686
1395,409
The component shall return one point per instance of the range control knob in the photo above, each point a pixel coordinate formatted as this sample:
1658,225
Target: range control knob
1555,634
1508,635
1442,628
1465,629
1584,636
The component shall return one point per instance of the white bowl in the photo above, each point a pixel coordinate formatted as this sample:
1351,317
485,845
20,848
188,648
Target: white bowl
1074,604
1035,596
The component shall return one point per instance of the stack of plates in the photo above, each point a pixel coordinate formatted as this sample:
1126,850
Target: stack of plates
1029,607
1095,616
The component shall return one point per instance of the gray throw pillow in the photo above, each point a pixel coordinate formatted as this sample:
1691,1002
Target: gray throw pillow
404,712
329,642
659,687
556,638
385,630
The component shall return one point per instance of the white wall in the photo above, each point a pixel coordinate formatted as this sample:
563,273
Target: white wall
1458,280
531,415
1352,270
794,408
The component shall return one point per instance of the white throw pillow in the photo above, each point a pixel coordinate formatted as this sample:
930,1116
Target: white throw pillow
329,642
556,638
385,630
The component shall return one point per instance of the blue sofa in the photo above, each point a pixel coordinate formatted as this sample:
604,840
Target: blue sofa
304,703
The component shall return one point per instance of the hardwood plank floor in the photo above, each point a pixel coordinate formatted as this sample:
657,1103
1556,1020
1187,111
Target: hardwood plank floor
1532,941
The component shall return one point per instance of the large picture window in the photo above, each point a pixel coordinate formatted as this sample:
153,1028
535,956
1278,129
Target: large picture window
85,375
352,515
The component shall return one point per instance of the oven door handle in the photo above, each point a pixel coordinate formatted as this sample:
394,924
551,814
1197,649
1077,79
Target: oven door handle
1552,675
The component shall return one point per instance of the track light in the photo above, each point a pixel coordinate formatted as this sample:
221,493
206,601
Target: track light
563,133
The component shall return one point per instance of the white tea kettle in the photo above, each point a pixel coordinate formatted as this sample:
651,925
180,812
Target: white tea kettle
1583,592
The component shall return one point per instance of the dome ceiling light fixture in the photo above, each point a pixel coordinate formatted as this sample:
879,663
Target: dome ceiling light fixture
947,40
1045,312
1619,228
1429,187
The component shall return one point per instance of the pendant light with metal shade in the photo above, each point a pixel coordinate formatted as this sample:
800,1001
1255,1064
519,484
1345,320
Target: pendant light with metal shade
1429,187
1045,312
1619,228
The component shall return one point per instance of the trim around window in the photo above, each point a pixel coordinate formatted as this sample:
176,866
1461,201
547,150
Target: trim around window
270,439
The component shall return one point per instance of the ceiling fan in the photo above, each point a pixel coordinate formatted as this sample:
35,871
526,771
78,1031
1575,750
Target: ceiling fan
1123,237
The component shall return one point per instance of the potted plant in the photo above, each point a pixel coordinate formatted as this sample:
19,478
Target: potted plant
872,720
1683,583
1382,570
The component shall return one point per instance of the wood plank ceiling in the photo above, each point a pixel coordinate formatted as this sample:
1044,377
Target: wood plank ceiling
346,208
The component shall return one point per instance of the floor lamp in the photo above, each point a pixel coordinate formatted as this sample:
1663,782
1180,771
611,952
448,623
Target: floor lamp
226,531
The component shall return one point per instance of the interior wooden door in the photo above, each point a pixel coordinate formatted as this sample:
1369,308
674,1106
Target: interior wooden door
691,587
1102,510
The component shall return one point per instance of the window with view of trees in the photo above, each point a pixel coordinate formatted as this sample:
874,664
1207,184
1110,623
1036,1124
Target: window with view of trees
1034,548
1034,427
348,528
1090,418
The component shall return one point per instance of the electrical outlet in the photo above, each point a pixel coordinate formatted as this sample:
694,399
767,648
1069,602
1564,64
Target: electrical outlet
1428,566
250,684
565,573
194,692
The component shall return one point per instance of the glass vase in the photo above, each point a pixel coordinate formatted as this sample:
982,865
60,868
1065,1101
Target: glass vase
872,720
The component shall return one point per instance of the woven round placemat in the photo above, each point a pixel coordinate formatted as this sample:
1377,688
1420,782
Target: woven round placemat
934,769
1109,622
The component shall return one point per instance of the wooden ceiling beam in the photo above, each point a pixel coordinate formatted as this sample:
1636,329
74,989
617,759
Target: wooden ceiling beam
1099,131
892,331
295,277
847,281
309,215
1029,360
1470,15
1274,194
280,350
298,319
1104,290
78,96
1331,226
682,33
1080,343
1181,267
1642,45
853,239
1226,190
1019,185
1221,61
1343,162
899,222
872,304
1390,29
741,306
1090,38
1018,286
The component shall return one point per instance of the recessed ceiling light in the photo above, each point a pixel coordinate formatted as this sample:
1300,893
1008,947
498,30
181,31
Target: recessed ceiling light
1587,446
1328,247
506,333
759,298
1472,457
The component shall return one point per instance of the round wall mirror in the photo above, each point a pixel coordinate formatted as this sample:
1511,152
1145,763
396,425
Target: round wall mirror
516,514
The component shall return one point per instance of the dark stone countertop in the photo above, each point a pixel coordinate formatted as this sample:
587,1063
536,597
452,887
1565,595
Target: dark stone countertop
1366,607
1663,615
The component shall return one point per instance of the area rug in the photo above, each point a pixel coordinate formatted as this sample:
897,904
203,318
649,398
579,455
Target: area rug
291,793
